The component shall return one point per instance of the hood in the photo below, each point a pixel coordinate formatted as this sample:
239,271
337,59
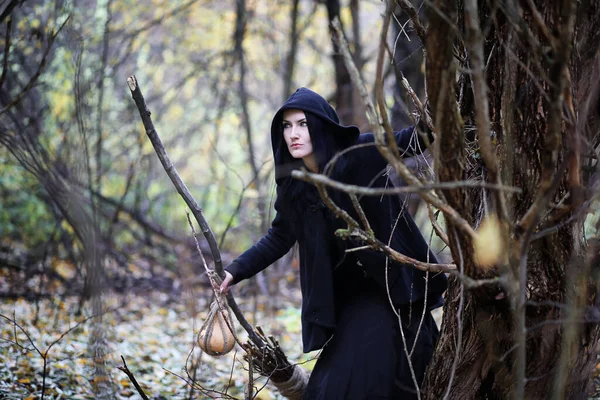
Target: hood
311,103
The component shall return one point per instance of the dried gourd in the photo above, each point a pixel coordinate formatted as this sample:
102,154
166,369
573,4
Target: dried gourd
215,338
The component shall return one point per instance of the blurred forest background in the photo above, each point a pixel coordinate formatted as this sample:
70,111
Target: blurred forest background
96,256
78,175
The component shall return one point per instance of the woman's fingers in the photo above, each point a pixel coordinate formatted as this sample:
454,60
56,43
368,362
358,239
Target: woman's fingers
225,285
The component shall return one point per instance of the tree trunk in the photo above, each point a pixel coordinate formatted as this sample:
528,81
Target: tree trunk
543,112
290,61
348,102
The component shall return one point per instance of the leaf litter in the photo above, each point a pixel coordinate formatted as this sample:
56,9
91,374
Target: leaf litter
156,336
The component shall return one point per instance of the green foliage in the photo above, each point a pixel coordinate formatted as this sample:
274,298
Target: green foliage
181,53
24,215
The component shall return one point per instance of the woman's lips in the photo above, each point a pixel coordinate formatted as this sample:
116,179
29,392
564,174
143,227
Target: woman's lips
296,145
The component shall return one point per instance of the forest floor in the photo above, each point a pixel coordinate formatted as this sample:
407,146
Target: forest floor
154,334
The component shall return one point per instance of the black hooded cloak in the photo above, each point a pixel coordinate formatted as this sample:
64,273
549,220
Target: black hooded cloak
330,278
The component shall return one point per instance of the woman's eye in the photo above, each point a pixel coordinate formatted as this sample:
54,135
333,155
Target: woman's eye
286,125
303,123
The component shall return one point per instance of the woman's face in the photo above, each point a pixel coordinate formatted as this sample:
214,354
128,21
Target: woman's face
297,137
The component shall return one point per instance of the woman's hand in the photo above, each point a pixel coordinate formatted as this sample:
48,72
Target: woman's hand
225,285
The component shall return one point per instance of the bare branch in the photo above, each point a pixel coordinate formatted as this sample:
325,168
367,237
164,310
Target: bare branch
250,386
188,198
361,213
7,44
385,121
408,356
157,21
375,244
215,282
414,17
417,102
9,9
210,393
39,71
139,389
396,163
436,226
474,44
376,191
537,17
272,359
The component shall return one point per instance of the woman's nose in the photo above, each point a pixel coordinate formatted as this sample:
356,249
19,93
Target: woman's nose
294,133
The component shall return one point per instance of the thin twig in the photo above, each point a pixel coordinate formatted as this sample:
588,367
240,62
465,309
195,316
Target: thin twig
399,313
436,226
39,71
375,244
231,372
407,354
250,386
361,213
210,393
7,44
414,18
157,21
384,122
125,369
537,17
44,354
417,102
214,284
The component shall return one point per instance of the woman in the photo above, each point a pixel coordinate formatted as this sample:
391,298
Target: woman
346,310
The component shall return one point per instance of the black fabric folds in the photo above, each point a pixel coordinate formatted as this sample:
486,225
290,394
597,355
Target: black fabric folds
302,217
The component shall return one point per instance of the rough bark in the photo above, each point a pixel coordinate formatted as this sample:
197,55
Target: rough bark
523,46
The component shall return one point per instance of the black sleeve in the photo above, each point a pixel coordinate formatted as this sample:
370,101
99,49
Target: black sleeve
409,141
271,247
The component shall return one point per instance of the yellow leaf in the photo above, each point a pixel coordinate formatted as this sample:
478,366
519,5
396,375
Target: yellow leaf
61,366
65,269
25,380
100,379
163,311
